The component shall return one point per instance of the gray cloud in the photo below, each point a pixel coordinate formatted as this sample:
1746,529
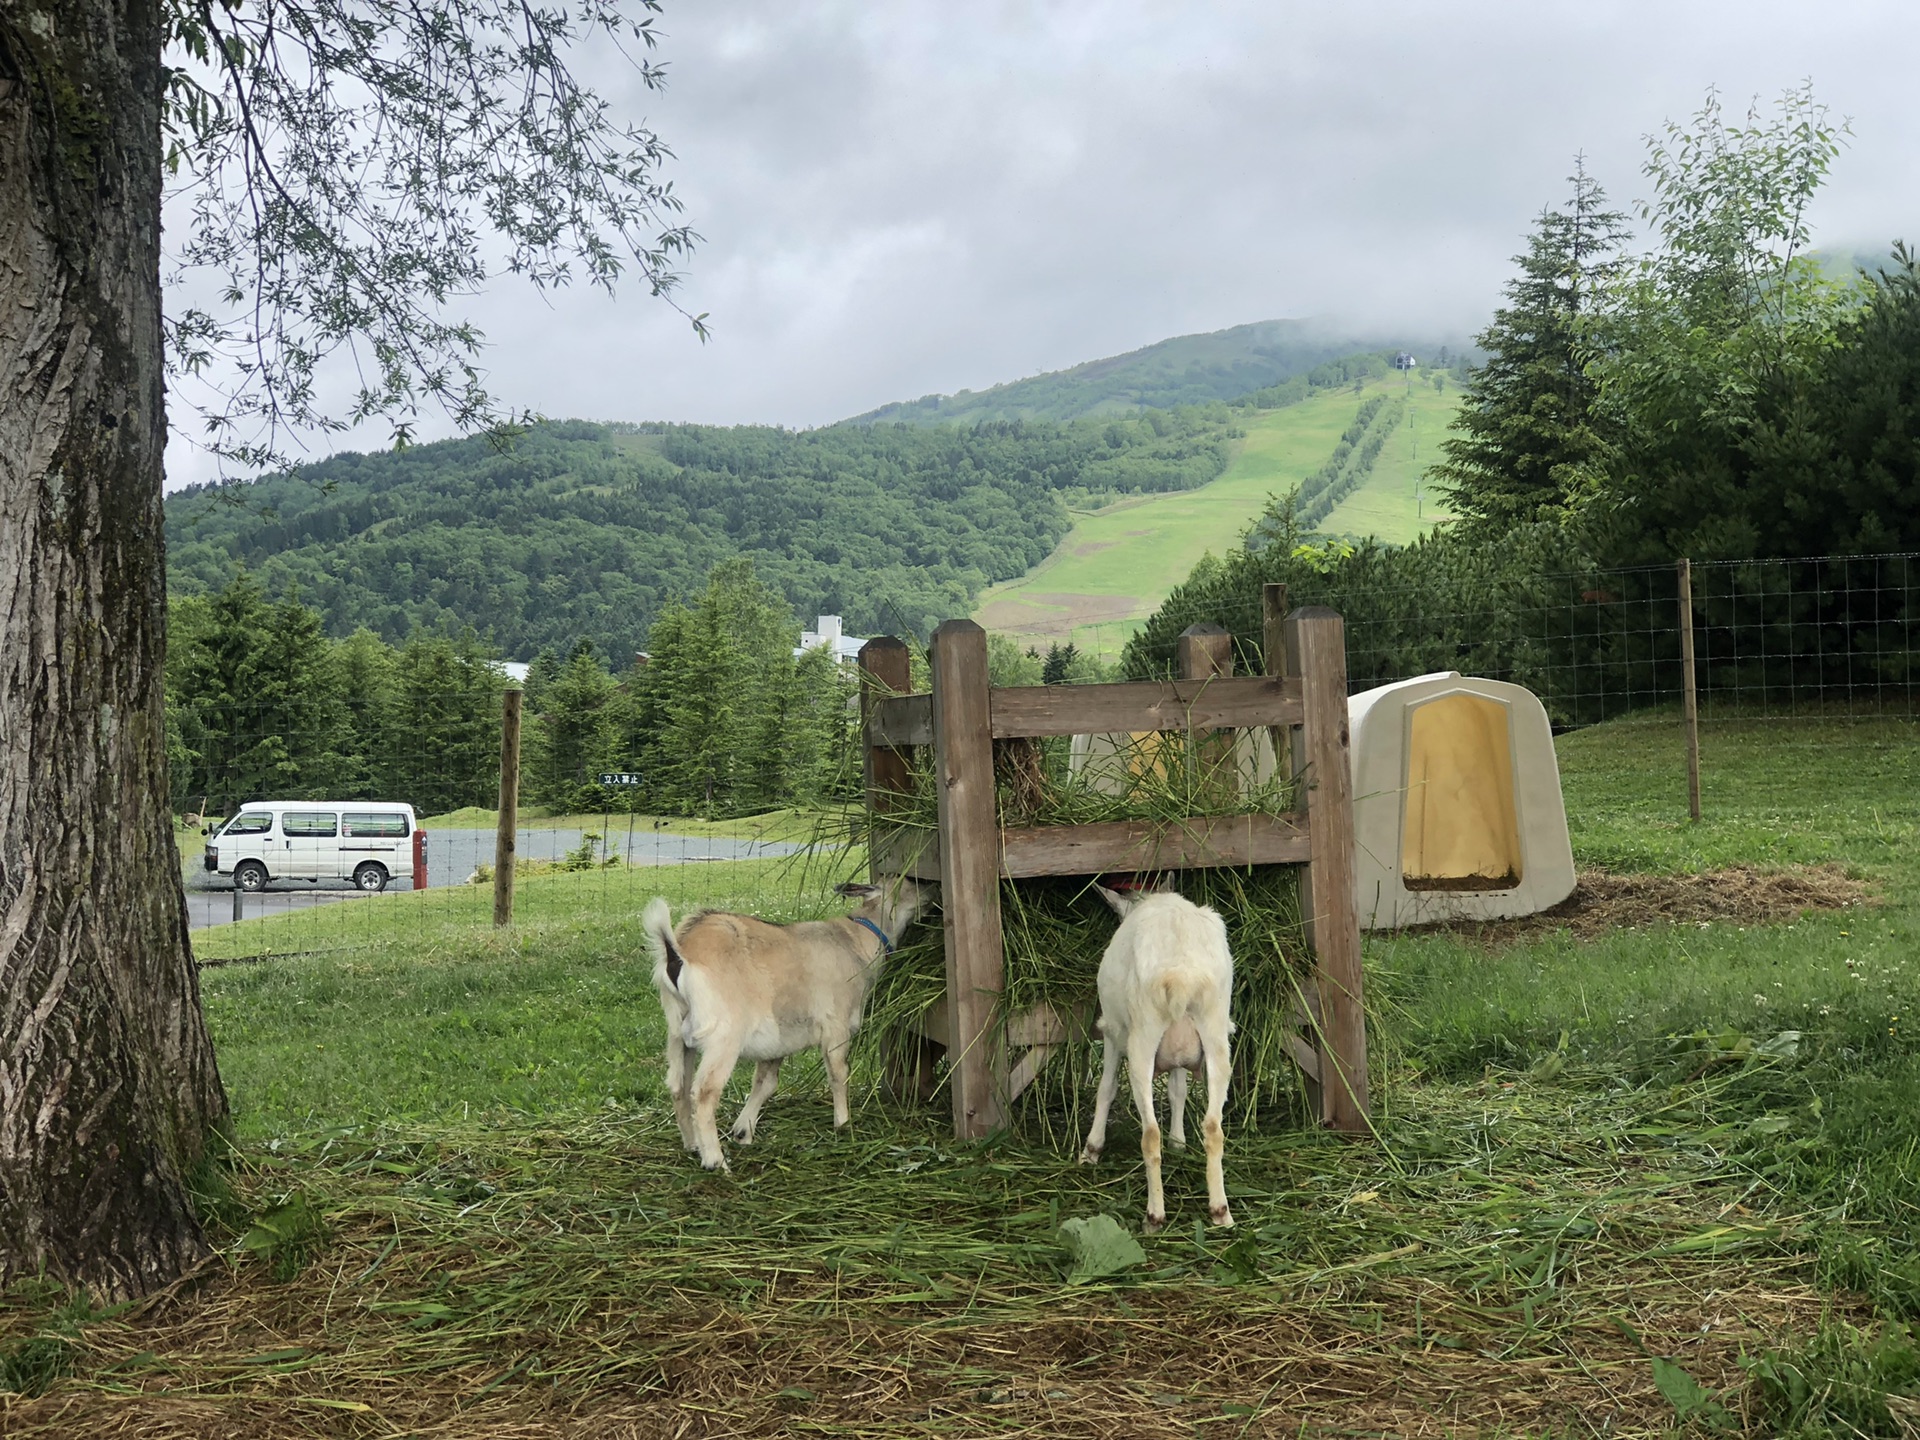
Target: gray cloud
906,197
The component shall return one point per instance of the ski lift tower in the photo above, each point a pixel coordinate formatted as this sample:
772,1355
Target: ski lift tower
1404,361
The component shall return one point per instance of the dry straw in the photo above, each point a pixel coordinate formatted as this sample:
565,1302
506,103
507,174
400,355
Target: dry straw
1056,929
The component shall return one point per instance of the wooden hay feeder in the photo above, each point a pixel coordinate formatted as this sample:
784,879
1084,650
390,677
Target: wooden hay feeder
964,718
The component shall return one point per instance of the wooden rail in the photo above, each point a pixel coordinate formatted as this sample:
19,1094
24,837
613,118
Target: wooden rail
1135,706
1199,843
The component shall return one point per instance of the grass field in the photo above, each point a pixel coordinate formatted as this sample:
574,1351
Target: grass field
1385,507
773,825
1665,1180
1116,565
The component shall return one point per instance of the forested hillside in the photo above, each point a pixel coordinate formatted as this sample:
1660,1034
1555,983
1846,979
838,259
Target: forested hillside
1186,370
585,531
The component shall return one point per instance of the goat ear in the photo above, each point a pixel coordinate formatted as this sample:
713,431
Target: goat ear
1116,902
855,890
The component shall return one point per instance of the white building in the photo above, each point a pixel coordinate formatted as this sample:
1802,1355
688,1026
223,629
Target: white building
845,648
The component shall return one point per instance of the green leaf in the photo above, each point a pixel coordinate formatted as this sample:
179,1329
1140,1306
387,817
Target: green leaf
1690,1399
1100,1247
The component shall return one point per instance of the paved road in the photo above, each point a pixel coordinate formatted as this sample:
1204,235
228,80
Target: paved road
451,858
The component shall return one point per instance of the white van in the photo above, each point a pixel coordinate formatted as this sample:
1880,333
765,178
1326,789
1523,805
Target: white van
363,841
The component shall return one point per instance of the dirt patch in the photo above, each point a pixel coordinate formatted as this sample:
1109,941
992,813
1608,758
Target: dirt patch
1045,613
1738,895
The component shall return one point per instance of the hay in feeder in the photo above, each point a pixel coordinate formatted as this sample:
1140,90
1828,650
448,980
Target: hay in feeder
1056,929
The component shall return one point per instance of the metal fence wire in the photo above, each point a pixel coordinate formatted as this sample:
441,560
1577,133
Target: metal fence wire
1830,637
1773,639
441,756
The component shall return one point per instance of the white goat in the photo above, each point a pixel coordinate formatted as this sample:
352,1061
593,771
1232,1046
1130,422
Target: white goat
1165,985
732,986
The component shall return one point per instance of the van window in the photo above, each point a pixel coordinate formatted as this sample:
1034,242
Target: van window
251,822
385,823
309,824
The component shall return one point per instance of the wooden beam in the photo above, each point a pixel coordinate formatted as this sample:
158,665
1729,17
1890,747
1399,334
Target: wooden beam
902,720
1273,627
1205,653
1137,705
1317,653
1221,702
969,875
1202,843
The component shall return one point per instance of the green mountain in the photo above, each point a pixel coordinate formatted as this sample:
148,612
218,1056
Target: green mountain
1186,370
583,531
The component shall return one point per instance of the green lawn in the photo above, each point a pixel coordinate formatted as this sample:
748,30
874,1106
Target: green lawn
773,825
1117,565
1665,1180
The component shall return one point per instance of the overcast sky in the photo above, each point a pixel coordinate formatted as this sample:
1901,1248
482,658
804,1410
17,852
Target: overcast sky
902,197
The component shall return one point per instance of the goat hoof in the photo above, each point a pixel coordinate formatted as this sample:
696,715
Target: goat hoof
716,1167
1155,1224
1090,1155
1221,1216
1178,1142
740,1137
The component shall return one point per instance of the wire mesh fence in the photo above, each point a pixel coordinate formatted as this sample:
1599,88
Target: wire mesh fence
331,827
1777,639
1831,637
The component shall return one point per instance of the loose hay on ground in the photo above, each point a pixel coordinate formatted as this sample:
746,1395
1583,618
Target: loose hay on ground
512,1282
1736,894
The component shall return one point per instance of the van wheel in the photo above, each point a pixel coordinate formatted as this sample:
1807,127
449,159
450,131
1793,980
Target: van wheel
250,875
371,878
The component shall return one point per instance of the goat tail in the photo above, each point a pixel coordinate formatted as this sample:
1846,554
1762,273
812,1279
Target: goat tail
657,921
1178,989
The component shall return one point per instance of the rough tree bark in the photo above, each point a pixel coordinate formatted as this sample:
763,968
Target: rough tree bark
108,1089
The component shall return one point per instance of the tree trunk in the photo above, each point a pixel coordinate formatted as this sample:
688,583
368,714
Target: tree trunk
108,1089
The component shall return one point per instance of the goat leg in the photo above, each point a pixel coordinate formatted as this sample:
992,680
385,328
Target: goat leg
1177,1105
1141,1045
766,1075
716,1066
1219,1067
836,1057
1103,1101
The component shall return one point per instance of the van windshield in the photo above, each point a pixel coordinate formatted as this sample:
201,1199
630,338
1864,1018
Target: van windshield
249,822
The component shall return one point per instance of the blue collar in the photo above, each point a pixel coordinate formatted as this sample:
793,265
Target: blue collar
881,935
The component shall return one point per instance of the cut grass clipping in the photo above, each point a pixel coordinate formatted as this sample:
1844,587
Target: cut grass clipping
1056,929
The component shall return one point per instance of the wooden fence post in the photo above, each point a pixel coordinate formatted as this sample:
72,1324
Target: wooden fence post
506,827
1204,652
969,875
886,668
1689,698
1273,627
1317,652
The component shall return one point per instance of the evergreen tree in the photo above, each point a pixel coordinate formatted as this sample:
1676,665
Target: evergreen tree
717,667
1059,663
442,727
1839,473
265,714
579,732
1527,445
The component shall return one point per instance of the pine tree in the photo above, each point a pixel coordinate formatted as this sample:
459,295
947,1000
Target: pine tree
265,715
717,669
579,731
1527,445
442,724
1059,663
